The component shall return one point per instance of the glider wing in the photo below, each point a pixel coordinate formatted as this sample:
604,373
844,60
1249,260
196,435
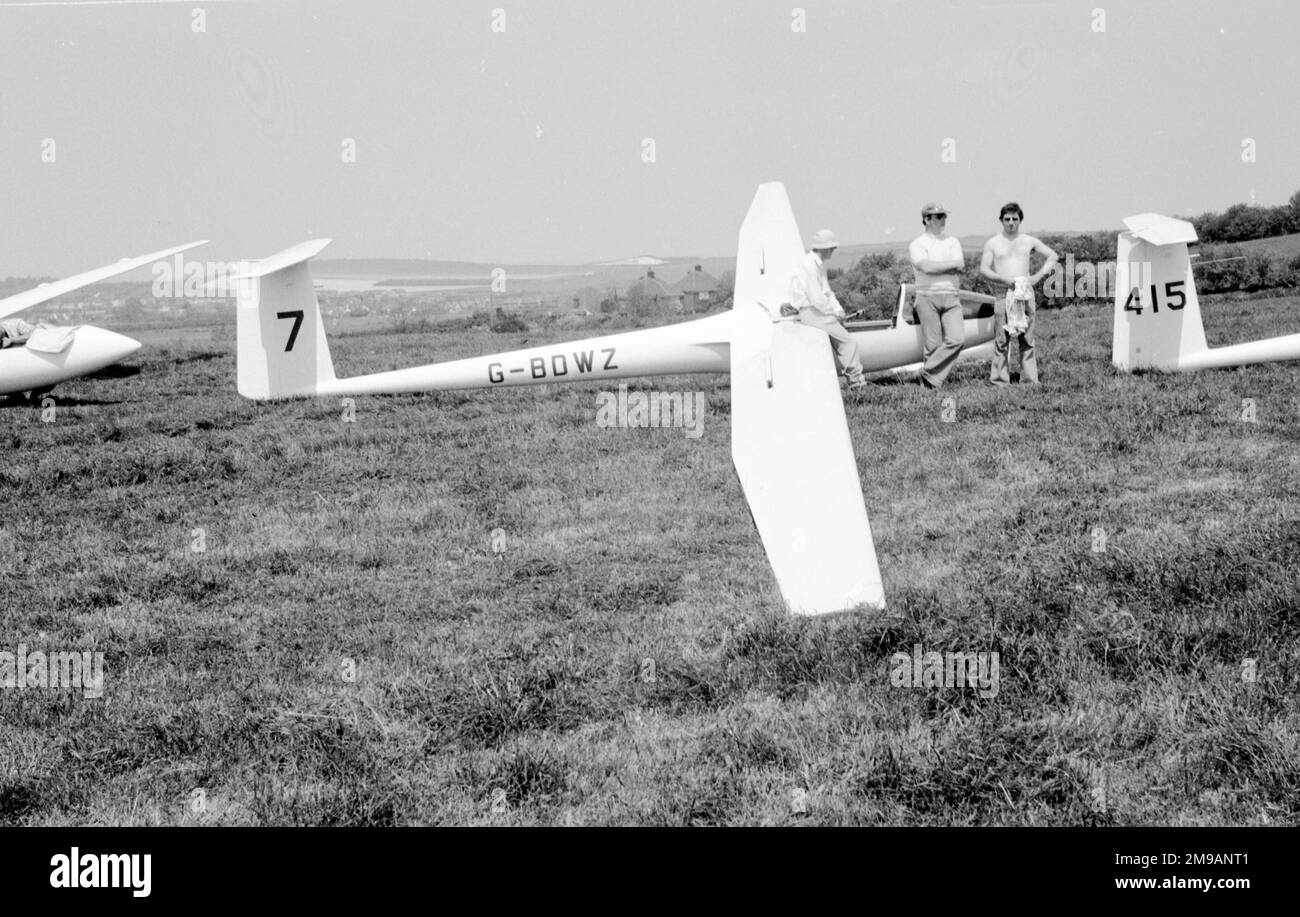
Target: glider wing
791,447
789,437
48,291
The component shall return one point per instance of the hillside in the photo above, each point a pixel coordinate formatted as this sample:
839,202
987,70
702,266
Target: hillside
1278,245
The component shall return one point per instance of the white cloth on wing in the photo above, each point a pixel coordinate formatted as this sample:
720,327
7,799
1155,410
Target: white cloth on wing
52,338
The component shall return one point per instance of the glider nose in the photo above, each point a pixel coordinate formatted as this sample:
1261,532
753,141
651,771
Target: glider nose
96,348
119,346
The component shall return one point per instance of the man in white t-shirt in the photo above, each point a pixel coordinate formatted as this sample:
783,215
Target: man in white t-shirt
939,263
811,296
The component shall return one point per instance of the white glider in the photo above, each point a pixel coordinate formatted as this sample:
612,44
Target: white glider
1157,315
790,440
974,306
54,355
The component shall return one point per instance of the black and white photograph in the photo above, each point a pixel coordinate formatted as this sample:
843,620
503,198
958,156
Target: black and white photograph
664,414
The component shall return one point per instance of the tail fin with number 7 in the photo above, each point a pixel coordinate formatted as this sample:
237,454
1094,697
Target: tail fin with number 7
282,348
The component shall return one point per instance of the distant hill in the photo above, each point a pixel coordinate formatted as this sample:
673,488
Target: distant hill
354,274
477,271
427,267
552,279
640,259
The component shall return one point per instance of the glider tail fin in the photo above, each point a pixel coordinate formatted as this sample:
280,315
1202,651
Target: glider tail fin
282,348
1157,316
769,251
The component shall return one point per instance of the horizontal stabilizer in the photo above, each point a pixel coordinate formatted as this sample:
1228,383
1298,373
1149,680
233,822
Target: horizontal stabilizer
1159,229
304,251
791,447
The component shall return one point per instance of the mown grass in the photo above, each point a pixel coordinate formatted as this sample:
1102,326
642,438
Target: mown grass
348,647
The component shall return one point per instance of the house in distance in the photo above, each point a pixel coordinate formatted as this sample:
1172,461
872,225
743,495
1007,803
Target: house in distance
698,290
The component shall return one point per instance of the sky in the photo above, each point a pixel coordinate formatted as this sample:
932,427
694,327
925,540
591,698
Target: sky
567,132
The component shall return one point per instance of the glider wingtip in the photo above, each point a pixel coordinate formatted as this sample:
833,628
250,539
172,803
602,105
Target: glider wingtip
838,609
174,250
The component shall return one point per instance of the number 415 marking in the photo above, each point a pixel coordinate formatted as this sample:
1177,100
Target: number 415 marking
1173,290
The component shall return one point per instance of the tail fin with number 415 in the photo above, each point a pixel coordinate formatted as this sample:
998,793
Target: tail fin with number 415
1157,315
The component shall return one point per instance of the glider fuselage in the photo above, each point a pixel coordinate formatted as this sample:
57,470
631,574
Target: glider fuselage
700,346
23,369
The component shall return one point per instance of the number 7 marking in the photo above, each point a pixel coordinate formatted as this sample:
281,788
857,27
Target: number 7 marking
296,315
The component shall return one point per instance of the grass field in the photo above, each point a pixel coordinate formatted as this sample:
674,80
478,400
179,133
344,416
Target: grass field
309,621
1281,245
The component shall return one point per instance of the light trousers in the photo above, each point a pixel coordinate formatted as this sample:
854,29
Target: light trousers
999,374
842,342
943,332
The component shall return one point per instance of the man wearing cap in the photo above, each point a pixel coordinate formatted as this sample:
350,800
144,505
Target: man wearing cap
1006,261
939,263
811,296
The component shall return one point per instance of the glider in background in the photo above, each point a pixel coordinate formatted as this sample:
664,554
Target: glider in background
790,440
1157,316
905,329
56,354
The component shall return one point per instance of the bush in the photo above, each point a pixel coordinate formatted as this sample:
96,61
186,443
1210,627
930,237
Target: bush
1243,222
510,324
1232,269
872,284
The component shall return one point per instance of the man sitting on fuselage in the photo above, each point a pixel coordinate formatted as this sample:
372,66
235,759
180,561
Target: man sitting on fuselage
811,296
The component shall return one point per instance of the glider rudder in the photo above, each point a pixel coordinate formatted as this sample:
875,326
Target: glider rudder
1157,316
282,349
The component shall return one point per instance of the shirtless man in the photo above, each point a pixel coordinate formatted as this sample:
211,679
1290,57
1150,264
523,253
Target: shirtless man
1006,259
